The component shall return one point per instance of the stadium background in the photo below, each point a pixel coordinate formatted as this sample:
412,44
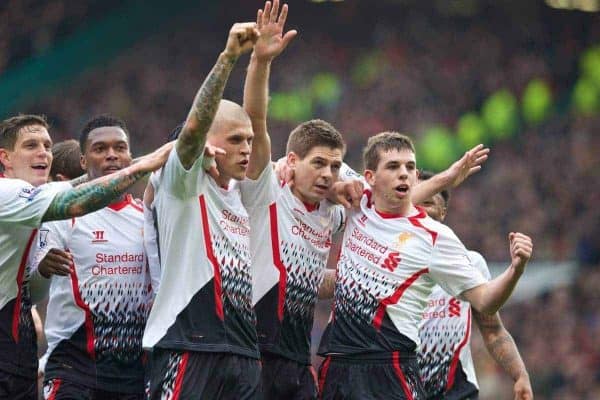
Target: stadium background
520,76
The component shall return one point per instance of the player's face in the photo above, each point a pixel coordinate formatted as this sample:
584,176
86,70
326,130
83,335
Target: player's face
106,151
235,138
315,173
394,178
31,158
434,207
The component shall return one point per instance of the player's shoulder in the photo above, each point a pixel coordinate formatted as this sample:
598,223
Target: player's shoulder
8,184
442,230
479,262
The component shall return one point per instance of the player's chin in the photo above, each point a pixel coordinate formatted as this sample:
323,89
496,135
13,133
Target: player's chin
38,180
239,175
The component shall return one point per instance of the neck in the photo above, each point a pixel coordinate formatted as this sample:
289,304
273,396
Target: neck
303,199
223,181
402,209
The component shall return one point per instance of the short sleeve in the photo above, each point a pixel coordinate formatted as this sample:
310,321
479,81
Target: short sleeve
178,181
24,204
480,264
262,191
451,267
51,235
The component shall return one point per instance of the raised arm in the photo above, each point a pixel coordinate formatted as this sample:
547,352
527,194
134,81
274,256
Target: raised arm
503,350
489,297
100,192
270,24
190,143
469,164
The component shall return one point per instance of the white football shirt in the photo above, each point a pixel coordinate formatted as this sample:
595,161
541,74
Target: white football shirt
205,297
290,243
387,269
96,316
22,207
445,333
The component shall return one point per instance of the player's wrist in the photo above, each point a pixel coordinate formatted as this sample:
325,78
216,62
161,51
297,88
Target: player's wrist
229,56
261,60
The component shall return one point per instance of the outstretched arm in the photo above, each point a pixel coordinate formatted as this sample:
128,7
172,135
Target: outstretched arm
469,164
100,192
489,297
270,44
190,143
503,350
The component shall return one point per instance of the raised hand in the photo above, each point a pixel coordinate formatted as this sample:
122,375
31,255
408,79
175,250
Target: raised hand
56,262
241,39
272,40
521,248
469,164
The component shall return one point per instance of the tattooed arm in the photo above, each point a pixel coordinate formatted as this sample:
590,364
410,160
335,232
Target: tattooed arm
100,192
503,350
327,288
190,143
80,181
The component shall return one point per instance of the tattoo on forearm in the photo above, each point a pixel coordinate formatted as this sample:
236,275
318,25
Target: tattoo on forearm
79,181
203,111
505,352
500,344
90,197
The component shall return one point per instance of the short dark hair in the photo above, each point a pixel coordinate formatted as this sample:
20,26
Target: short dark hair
315,132
10,127
100,121
67,160
384,141
424,175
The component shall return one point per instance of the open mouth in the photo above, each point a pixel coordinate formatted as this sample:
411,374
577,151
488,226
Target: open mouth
112,168
40,167
322,188
402,189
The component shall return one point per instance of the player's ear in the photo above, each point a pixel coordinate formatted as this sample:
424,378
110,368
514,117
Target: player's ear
5,158
292,159
370,177
83,162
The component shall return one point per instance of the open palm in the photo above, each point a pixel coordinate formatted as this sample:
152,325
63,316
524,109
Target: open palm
272,41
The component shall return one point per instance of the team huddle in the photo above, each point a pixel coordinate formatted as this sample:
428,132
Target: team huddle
207,289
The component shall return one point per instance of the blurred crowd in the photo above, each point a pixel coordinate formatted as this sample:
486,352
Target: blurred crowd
420,66
32,26
557,335
428,68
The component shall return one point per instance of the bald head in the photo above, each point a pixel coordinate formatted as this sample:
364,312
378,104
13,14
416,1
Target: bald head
228,114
